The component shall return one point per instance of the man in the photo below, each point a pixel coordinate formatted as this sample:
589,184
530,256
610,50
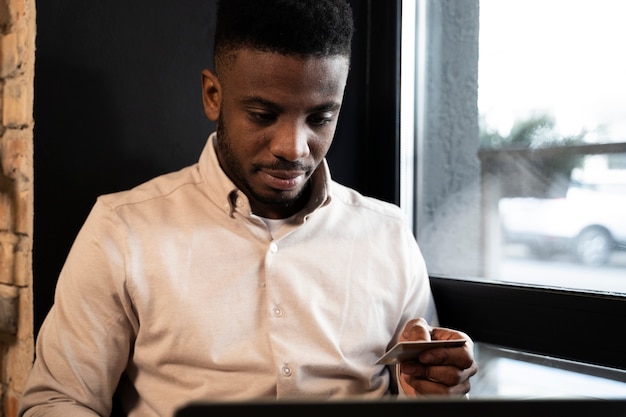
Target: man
250,274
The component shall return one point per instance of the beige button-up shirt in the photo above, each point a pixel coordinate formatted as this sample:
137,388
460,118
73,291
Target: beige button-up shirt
177,292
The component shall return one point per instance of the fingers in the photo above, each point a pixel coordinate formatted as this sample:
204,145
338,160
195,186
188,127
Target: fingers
442,333
419,329
444,371
441,374
460,357
419,379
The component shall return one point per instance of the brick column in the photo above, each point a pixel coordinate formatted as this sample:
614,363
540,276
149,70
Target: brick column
17,57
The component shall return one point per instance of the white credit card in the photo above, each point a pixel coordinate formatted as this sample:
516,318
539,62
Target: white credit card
403,351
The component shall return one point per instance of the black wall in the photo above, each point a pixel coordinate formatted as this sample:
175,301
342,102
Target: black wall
118,101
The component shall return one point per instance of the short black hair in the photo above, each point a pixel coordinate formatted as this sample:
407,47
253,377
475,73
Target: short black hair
289,27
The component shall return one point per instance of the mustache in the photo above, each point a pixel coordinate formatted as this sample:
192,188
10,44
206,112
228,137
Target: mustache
281,165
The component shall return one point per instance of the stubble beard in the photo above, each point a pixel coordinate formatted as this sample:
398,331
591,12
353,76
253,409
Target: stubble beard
237,174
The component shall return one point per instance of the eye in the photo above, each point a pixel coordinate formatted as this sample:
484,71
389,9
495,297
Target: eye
262,117
321,119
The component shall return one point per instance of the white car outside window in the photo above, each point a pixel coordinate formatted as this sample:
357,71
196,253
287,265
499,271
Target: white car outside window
589,222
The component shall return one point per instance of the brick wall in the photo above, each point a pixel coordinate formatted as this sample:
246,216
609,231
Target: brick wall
17,56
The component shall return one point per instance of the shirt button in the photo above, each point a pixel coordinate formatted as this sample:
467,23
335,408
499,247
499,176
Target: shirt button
273,247
277,311
285,371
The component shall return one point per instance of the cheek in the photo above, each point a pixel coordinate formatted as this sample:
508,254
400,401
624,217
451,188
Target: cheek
319,148
320,145
242,135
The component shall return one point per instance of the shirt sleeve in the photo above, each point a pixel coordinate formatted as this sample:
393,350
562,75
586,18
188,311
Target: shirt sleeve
84,343
419,301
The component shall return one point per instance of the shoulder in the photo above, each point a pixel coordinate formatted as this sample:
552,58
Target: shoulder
165,186
355,201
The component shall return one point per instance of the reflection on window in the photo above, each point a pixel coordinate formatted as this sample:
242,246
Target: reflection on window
514,374
568,234
552,100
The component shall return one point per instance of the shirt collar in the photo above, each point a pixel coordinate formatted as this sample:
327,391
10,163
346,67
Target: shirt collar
224,192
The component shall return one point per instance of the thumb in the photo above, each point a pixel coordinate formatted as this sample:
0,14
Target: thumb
417,329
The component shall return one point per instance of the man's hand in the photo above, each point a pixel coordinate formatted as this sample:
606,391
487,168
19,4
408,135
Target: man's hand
438,371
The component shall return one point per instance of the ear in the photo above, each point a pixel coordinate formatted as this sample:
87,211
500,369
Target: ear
211,95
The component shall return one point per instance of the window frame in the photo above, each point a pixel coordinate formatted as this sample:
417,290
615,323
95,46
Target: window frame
566,324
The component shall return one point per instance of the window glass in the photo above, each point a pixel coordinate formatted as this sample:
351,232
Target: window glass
514,140
552,118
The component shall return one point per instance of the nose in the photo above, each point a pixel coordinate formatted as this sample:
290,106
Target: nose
291,141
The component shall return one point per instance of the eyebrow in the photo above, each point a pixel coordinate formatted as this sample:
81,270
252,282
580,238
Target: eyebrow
256,100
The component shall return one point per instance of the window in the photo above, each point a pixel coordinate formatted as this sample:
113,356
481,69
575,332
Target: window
551,102
512,170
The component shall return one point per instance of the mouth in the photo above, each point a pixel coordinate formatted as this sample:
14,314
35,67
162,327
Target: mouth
282,179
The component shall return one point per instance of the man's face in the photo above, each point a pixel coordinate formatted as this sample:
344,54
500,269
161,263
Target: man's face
276,117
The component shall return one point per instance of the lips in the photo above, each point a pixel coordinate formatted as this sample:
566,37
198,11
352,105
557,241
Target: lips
282,180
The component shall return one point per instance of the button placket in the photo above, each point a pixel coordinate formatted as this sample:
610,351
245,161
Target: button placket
277,311
273,247
286,370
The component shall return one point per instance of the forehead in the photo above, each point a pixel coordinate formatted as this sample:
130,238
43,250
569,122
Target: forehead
256,72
